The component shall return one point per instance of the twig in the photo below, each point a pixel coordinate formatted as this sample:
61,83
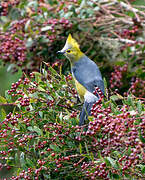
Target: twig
126,6
8,104
137,17
127,41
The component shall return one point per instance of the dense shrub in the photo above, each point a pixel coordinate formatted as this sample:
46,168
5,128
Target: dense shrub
41,138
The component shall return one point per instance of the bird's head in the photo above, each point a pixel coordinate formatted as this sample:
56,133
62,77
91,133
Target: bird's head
71,49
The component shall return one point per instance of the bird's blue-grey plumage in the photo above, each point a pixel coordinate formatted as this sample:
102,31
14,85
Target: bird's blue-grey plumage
87,73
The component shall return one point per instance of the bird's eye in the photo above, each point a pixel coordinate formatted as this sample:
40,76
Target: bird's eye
68,51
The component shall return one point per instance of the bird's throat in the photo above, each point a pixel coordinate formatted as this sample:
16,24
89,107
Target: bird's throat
77,57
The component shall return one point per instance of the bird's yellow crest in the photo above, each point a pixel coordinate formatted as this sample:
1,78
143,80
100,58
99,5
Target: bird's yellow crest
72,42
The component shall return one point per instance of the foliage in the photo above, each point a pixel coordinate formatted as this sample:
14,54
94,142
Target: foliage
109,32
41,138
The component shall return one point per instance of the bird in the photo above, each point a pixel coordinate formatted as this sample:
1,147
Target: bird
86,75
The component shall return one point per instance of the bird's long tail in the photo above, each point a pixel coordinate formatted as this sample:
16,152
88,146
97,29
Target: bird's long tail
86,111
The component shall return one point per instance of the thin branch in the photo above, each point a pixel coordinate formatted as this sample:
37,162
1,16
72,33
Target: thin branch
8,104
136,15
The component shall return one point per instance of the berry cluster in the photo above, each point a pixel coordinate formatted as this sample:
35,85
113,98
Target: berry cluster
113,129
138,88
129,33
15,88
12,48
55,24
4,6
73,114
14,39
120,78
117,76
99,93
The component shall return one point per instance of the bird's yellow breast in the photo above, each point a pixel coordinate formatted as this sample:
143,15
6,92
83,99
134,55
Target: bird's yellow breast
80,89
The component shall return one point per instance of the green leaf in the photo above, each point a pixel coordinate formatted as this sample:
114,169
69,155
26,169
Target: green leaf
4,19
10,67
6,26
14,13
40,88
100,156
116,176
2,114
29,42
55,147
117,154
27,25
38,77
113,162
142,168
139,2
30,128
92,156
30,163
130,101
141,137
33,4
127,176
80,147
46,28
8,97
139,107
60,116
105,85
86,148
41,114
107,162
10,161
17,158
3,100
22,159
116,97
53,71
38,130
68,14
45,73
129,151
113,108
130,13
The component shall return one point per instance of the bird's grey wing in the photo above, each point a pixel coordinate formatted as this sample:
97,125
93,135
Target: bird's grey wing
90,86
89,76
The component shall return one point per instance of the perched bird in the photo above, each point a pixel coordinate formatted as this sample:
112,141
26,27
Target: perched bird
86,74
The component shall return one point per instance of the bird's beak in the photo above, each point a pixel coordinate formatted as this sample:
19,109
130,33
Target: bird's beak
60,52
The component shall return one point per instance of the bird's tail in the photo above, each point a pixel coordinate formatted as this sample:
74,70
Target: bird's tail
86,111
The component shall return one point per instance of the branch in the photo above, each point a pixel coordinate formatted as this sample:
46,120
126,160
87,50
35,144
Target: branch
8,104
